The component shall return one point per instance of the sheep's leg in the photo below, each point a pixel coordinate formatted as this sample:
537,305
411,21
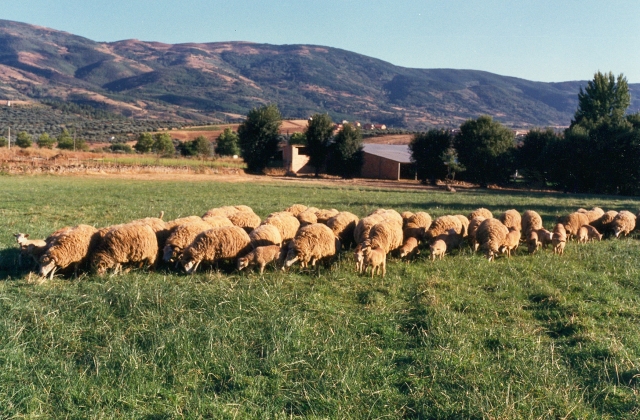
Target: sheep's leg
384,267
262,268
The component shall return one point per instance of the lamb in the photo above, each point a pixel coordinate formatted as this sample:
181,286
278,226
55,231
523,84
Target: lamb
511,219
559,239
588,233
68,247
572,223
260,256
227,242
33,248
308,216
363,228
451,239
296,209
181,237
531,221
286,224
533,242
409,247
481,212
265,235
438,249
545,237
385,235
604,224
312,243
343,226
623,223
491,235
323,215
511,242
375,258
247,220
472,230
358,256
441,225
122,244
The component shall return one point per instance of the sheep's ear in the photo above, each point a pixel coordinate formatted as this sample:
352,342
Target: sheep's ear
26,235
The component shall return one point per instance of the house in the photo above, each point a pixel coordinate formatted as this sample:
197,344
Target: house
296,160
385,161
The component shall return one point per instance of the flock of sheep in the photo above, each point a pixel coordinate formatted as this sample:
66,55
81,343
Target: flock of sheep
307,235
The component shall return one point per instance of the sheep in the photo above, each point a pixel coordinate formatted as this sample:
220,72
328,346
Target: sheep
217,221
68,247
559,239
361,232
511,242
491,235
181,221
588,233
181,237
481,212
376,258
312,243
604,223
323,215
386,235
533,242
545,237
358,256
296,209
623,223
530,221
158,225
441,225
221,211
122,244
265,235
411,230
226,242
247,220
438,249
409,247
33,248
465,224
451,239
286,223
308,216
472,229
406,215
593,214
511,219
391,215
343,226
572,223
260,256
421,219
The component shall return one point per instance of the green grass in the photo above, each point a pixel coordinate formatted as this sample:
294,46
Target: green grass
529,337
175,162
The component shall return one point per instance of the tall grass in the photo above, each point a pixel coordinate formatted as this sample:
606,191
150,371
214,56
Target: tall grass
527,337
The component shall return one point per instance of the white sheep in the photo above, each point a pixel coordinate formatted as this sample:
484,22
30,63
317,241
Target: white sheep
491,235
313,243
123,244
33,248
376,258
68,247
226,242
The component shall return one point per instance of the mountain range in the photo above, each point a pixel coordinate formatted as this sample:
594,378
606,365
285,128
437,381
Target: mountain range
208,82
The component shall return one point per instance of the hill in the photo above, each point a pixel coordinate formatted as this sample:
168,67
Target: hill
221,81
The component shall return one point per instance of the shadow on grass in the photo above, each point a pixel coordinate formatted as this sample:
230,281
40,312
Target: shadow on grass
10,269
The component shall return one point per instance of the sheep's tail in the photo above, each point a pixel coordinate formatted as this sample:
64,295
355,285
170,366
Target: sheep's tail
161,215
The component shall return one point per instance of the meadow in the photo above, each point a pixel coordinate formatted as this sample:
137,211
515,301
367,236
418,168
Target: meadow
537,336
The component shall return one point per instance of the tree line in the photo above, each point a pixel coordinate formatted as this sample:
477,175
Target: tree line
598,153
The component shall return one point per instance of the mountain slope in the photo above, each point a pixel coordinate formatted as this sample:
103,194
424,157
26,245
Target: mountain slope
196,82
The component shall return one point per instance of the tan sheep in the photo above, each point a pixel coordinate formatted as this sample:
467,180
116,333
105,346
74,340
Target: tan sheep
588,233
442,225
604,223
227,242
182,221
30,248
623,223
265,235
286,223
296,209
312,244
386,235
308,216
421,219
343,225
559,239
465,224
247,220
181,237
491,235
391,215
406,215
123,244
511,219
511,242
531,221
217,221
472,229
545,237
412,230
593,214
572,223
480,213
438,249
409,248
533,242
221,211
260,256
361,232
375,258
323,215
68,247
452,239
358,256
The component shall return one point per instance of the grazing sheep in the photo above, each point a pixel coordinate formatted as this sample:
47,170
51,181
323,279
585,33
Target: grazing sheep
260,256
531,221
247,220
323,215
308,216
411,230
465,225
385,235
559,239
406,215
375,258
623,223
604,223
286,223
511,242
33,248
312,243
361,232
222,211
122,244
421,219
68,247
265,235
452,239
358,256
533,242
409,248
182,221
572,222
480,213
472,229
588,233
226,242
441,225
593,214
181,237
511,219
343,225
217,221
391,215
296,209
491,235
438,249
545,237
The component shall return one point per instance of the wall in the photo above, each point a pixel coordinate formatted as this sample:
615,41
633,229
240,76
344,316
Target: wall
380,168
296,162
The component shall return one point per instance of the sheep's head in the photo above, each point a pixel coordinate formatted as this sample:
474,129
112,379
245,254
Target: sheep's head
189,266
243,262
169,253
21,237
292,258
47,264
617,231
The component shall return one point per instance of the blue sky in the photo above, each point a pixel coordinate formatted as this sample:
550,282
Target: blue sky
543,40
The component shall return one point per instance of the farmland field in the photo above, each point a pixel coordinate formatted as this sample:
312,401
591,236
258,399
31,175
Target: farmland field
527,337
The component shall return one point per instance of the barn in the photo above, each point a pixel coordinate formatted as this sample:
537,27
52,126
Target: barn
386,161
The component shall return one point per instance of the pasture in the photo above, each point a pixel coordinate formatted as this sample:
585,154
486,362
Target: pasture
537,336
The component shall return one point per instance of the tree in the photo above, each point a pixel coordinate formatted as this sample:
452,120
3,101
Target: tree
604,99
426,152
298,138
346,156
3,142
23,140
65,141
144,143
534,159
485,148
227,143
450,160
318,133
163,145
258,136
45,141
202,146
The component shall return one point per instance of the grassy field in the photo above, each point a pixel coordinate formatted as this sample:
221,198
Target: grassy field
527,337
175,162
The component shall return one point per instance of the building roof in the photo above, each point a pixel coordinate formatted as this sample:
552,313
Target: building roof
397,153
